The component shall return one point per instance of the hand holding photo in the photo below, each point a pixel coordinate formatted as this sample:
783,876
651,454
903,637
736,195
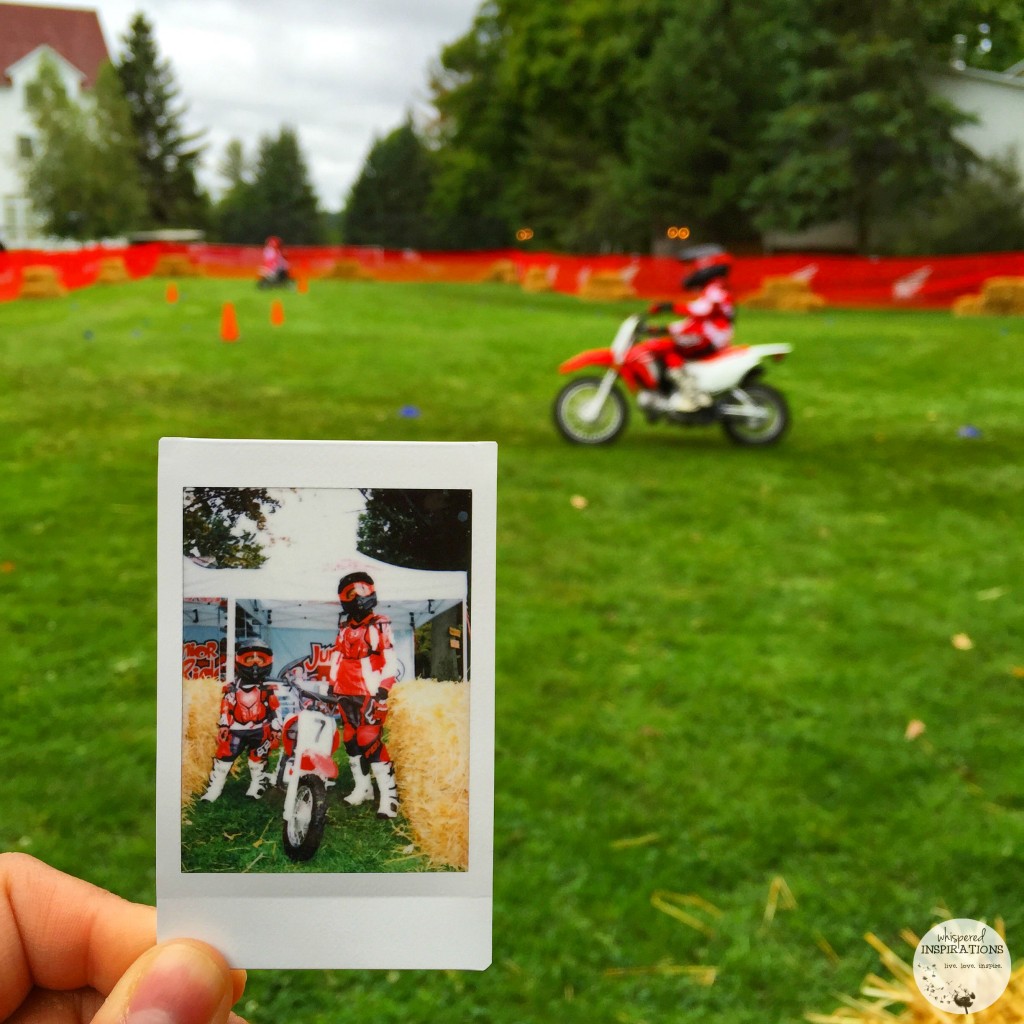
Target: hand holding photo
326,702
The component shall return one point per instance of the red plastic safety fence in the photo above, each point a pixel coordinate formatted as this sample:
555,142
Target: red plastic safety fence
933,281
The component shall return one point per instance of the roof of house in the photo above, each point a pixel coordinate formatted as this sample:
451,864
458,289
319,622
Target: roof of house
75,34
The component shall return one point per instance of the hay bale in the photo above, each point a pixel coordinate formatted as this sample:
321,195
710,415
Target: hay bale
1003,295
428,738
879,997
348,270
790,294
176,264
606,286
536,279
41,282
502,272
112,271
1000,296
968,305
200,710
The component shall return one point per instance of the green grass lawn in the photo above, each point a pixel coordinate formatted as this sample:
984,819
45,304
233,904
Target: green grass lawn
704,675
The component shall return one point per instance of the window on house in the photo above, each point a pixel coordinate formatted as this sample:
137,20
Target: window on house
10,227
24,147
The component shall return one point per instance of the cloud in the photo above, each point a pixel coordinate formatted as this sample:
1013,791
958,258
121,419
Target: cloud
339,72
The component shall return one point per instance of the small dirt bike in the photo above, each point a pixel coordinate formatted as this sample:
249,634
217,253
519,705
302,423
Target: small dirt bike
593,410
307,767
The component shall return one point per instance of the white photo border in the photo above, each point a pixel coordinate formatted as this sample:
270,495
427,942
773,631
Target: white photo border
423,920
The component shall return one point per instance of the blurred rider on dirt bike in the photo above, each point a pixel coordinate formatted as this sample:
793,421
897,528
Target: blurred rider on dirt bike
274,263
249,719
363,668
706,327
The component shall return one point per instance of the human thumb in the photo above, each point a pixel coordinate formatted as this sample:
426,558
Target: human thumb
177,982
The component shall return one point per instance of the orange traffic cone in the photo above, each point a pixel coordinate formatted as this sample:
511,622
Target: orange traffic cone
277,312
228,323
302,285
172,292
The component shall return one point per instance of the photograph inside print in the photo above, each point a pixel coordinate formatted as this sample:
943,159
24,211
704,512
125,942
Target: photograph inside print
326,676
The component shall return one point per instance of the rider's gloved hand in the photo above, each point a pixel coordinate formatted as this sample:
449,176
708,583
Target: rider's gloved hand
381,697
660,307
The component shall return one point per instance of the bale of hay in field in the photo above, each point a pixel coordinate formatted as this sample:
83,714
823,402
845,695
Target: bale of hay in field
176,264
880,997
536,279
200,709
348,270
968,305
428,738
790,294
1000,296
502,272
606,286
41,282
112,271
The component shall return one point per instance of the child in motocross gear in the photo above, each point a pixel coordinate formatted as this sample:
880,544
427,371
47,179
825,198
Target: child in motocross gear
274,265
362,671
706,329
249,719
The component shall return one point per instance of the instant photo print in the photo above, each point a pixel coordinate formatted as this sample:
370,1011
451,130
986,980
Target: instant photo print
326,701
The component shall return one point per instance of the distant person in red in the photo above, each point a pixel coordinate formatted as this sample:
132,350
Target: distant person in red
363,668
274,264
706,327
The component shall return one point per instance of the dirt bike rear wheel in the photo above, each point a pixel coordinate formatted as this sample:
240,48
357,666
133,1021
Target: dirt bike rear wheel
569,405
764,429
302,833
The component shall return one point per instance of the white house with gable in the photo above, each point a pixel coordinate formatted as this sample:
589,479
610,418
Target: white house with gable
73,40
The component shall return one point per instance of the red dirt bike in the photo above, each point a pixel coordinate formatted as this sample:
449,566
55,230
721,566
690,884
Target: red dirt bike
593,409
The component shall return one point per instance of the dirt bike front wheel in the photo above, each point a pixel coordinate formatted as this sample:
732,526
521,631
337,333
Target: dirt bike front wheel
304,829
765,421
578,422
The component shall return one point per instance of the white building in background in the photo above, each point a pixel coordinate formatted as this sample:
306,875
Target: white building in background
996,99
73,39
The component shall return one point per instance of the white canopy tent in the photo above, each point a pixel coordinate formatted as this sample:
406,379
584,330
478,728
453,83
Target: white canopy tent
300,598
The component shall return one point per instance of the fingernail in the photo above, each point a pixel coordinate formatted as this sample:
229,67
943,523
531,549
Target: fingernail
183,985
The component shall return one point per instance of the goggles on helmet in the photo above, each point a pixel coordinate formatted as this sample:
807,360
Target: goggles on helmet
255,659
355,590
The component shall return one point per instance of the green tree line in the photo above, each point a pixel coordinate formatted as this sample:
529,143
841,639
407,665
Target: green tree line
597,124
600,123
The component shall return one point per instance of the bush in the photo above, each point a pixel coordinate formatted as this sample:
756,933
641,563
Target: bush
984,212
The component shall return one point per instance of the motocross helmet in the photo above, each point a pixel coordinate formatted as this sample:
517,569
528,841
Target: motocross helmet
707,263
357,594
253,660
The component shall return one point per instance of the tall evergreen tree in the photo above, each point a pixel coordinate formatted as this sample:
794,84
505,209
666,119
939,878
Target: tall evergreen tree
271,195
704,98
534,104
82,177
167,155
387,205
859,134
283,199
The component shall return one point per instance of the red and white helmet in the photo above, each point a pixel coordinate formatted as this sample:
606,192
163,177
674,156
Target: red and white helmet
706,262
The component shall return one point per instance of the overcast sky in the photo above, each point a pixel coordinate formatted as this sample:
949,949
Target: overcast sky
341,72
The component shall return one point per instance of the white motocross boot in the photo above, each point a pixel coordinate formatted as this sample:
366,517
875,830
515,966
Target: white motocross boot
258,779
384,774
364,787
218,776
